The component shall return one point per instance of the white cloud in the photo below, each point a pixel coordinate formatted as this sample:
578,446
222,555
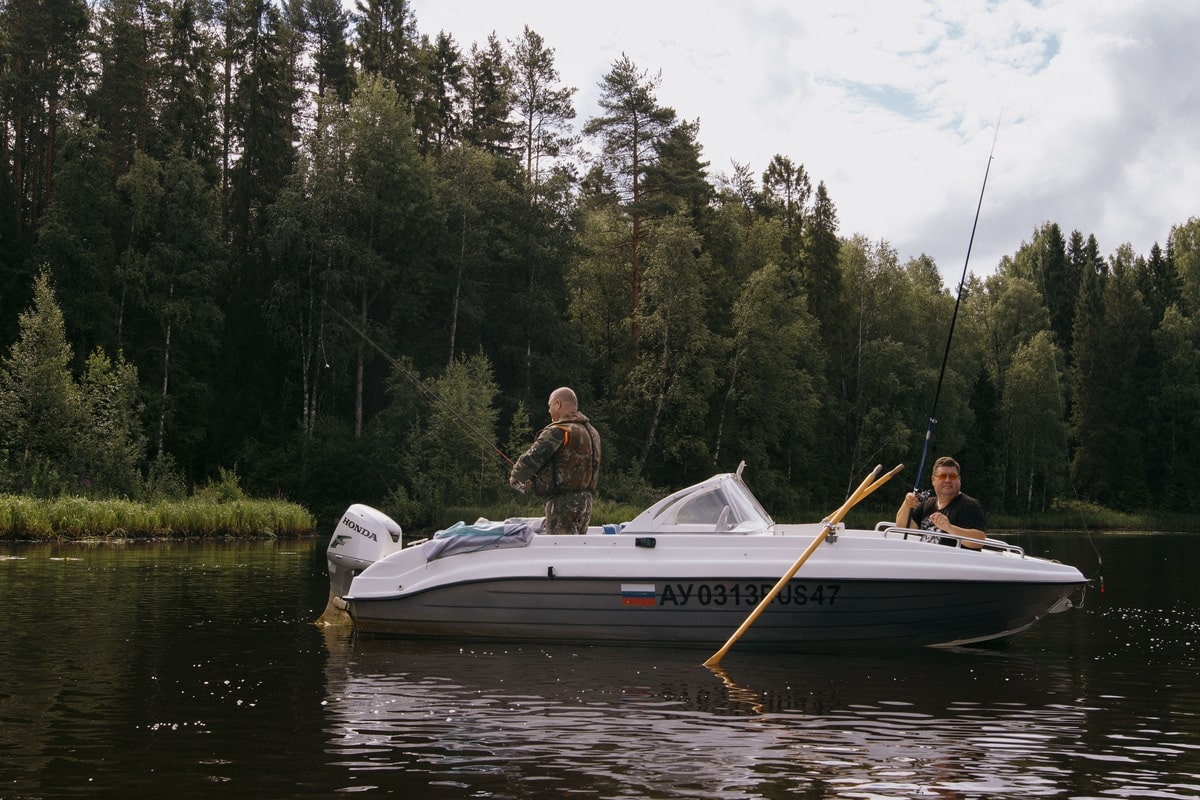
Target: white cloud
894,105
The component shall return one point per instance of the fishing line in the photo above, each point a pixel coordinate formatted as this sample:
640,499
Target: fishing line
1087,528
954,318
429,394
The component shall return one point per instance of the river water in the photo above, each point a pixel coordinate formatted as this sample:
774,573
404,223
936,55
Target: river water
193,670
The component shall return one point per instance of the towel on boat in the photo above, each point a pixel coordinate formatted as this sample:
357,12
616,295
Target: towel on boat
483,535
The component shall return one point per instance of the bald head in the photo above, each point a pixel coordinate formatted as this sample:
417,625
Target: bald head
562,401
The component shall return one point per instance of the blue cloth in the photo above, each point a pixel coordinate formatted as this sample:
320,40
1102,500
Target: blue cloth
483,535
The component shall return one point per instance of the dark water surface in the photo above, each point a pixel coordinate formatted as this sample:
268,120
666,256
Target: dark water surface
192,670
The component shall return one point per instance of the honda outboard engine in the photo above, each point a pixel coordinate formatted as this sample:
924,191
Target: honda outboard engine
363,536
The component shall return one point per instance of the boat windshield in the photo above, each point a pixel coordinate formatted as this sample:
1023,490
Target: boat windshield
720,504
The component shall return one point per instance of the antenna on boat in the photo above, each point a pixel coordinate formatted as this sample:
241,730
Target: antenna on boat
954,318
422,388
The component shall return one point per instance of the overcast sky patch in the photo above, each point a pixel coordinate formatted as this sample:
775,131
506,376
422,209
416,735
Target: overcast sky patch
895,104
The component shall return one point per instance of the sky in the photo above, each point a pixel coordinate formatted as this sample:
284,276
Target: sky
1085,113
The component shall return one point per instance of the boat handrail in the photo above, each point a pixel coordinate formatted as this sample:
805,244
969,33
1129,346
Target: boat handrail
886,528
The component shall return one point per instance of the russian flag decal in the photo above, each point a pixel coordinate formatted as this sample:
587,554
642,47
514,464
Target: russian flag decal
638,594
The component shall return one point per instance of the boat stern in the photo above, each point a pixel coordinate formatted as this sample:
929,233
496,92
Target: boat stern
362,536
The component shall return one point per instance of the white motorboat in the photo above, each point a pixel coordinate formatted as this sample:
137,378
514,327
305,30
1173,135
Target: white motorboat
688,571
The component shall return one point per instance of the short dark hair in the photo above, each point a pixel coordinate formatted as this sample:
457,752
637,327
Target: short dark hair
947,461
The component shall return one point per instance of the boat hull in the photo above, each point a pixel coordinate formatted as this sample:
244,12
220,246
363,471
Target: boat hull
806,613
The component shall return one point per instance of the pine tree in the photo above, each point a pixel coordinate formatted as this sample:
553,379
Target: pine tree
488,100
41,48
79,238
326,23
188,87
786,192
676,182
128,51
1112,354
631,125
41,415
388,45
1158,282
437,114
1045,262
820,278
263,124
543,105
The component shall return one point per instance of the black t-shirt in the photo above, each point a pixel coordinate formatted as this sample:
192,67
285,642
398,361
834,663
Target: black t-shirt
964,511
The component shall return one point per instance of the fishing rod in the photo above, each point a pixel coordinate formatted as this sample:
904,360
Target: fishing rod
422,388
954,317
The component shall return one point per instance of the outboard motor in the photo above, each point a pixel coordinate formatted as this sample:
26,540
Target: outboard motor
363,536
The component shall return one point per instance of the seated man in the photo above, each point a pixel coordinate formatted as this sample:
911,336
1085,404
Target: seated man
947,511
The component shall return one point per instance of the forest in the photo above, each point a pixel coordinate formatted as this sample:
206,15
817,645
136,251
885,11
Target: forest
346,260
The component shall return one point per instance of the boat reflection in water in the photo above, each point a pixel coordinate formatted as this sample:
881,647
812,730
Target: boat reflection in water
638,722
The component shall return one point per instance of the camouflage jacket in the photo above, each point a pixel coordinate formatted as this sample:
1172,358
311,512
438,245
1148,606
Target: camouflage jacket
565,457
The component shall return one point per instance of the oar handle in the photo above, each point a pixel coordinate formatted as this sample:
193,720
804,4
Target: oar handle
881,481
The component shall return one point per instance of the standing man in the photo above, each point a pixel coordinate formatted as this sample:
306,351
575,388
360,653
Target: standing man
948,511
563,465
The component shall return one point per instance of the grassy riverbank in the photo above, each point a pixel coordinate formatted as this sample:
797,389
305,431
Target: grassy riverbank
76,518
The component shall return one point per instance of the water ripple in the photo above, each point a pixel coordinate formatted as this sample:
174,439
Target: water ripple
182,670
690,733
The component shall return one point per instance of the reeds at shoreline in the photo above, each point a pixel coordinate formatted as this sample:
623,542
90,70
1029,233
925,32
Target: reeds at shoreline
78,518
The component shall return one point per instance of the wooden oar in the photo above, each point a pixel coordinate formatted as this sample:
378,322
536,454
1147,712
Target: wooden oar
868,485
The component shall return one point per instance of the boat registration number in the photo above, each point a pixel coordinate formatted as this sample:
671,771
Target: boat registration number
747,594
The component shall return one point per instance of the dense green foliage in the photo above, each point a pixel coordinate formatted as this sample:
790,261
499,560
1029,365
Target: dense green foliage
351,261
